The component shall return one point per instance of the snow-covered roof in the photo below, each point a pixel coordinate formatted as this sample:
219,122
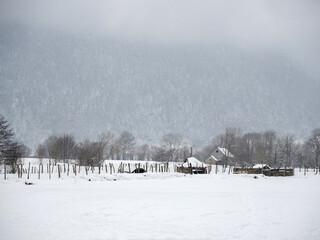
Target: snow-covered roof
194,162
225,152
213,157
260,165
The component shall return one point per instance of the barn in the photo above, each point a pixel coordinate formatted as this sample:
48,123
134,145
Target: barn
192,165
261,166
220,156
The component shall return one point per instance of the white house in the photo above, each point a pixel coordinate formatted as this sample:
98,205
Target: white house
220,156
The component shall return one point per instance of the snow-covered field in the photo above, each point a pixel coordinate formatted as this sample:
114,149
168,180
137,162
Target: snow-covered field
160,206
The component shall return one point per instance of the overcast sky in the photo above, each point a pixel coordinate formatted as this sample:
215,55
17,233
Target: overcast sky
290,26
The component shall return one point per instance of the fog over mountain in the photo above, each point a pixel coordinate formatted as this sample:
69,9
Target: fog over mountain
158,67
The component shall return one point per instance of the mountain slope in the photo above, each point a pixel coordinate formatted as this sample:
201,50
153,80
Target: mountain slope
53,82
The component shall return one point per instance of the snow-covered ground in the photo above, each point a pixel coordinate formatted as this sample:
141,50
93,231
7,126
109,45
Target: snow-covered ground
160,206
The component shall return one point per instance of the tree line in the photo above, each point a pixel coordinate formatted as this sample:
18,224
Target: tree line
108,146
248,148
266,147
11,150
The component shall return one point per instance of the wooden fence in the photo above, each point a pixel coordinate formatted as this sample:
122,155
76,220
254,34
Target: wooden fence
267,172
67,169
192,170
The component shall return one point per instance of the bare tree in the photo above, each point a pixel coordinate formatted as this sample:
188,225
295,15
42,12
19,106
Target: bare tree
60,148
52,147
127,142
313,145
286,150
232,138
101,149
116,149
248,148
42,152
173,145
142,152
86,153
67,146
270,141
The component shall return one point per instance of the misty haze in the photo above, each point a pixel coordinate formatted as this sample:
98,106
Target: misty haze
101,91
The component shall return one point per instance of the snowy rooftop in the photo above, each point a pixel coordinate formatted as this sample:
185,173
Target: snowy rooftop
260,165
194,162
214,158
226,152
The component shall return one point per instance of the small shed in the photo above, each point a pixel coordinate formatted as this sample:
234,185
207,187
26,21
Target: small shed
192,165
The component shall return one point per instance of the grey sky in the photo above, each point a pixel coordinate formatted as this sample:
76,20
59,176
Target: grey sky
290,26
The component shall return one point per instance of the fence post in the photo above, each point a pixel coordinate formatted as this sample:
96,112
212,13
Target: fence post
28,171
120,167
110,165
59,171
49,169
284,172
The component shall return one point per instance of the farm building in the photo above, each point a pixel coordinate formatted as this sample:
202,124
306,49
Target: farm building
262,166
212,160
192,165
265,170
220,156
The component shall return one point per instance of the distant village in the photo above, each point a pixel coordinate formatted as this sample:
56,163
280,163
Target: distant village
233,148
